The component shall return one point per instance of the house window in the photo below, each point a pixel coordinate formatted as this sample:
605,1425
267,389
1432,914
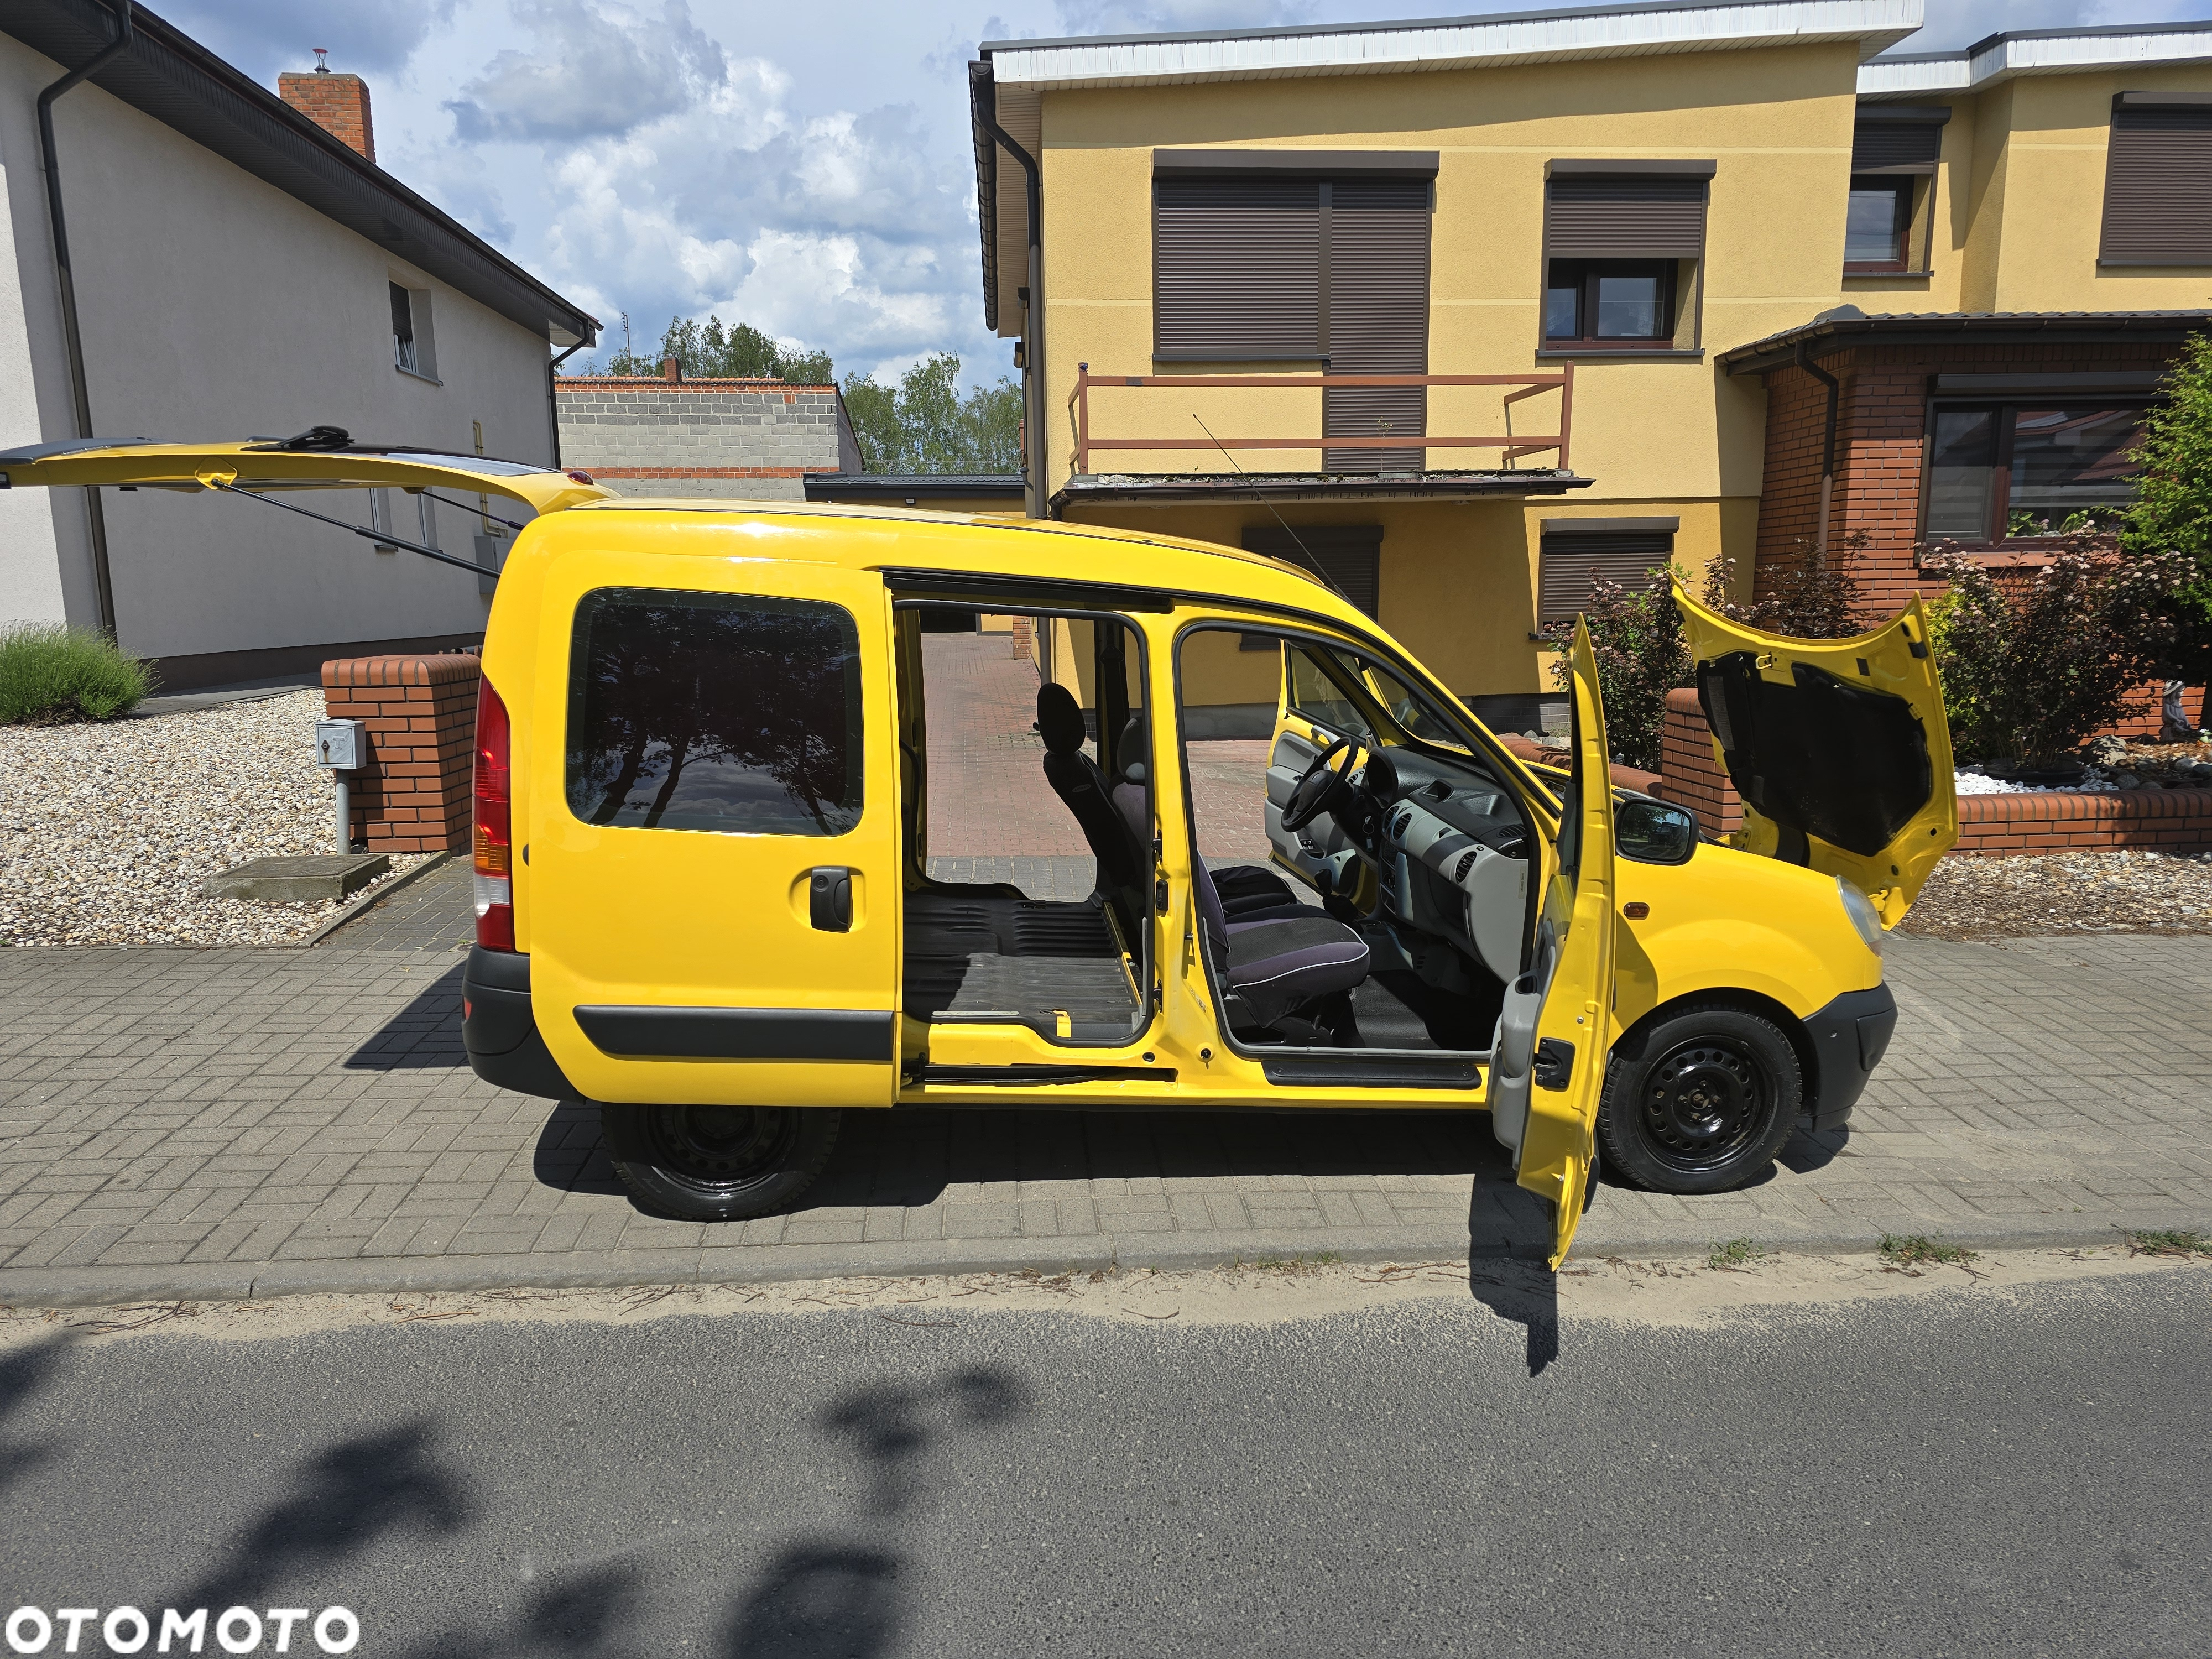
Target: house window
2158,181
1623,243
1577,552
2005,472
1253,263
1876,225
411,350
1625,303
1349,557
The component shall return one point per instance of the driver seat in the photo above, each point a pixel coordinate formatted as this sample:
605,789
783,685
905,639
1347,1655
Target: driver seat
1247,892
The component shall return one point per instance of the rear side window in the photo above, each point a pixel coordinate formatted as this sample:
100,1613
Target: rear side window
714,711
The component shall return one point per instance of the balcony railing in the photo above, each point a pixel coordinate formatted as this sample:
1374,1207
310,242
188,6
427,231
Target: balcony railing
1511,445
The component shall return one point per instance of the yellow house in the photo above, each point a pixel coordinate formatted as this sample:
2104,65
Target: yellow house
1467,313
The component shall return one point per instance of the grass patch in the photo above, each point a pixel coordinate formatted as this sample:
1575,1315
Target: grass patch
49,673
1737,1253
1910,1249
2169,1242
1293,1266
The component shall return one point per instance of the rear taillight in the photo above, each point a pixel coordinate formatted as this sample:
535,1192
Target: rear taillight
494,795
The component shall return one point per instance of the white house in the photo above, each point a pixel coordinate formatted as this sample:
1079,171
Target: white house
238,271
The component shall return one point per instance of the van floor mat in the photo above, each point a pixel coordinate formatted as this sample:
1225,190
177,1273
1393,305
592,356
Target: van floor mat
950,923
1091,991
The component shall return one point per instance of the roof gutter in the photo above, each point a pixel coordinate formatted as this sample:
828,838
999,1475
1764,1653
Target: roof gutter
73,337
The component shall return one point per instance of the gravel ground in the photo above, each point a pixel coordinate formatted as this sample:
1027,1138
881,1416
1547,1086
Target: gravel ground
107,832
2066,893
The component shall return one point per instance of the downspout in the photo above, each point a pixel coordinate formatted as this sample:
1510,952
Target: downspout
553,397
1827,452
1033,318
81,401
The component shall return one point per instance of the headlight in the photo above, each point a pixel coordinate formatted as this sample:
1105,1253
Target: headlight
1864,917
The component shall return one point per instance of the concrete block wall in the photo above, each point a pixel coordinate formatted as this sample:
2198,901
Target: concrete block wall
415,794
751,440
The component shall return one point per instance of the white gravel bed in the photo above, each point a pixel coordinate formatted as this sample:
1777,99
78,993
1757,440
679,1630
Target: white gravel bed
2120,892
107,832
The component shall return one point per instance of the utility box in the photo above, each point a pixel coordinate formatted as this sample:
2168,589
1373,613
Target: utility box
341,746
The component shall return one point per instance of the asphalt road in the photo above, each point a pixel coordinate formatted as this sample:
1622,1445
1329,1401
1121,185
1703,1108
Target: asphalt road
1948,1474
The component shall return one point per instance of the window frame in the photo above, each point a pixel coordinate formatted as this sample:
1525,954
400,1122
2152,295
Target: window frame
1903,192
420,341
1590,272
2006,408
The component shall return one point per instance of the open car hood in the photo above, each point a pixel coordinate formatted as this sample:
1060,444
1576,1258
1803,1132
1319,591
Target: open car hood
266,465
1839,748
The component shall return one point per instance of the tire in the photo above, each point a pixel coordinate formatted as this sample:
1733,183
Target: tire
1700,1100
718,1163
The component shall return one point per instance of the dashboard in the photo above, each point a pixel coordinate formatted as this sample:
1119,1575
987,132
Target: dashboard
1452,855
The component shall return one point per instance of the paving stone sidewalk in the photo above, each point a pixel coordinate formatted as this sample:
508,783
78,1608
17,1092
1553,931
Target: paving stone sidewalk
236,1121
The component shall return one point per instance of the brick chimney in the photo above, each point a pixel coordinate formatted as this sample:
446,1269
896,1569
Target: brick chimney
338,104
671,368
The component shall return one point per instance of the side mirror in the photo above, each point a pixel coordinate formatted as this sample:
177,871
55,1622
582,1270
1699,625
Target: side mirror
1654,832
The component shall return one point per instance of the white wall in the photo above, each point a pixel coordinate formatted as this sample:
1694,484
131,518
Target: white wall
215,307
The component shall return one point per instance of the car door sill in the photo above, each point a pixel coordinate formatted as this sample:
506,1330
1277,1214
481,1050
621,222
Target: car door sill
1323,1069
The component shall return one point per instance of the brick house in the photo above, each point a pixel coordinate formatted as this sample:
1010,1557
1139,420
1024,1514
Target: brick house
751,439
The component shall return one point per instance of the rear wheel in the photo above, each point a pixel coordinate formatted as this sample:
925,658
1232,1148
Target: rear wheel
718,1163
1700,1100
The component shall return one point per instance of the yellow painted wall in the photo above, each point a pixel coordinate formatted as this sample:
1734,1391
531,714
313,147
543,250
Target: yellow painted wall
1458,579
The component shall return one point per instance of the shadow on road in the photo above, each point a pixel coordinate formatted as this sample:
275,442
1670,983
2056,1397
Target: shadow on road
841,1594
426,1033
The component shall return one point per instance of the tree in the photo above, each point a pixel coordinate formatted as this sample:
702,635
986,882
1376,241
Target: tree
2172,509
710,351
924,425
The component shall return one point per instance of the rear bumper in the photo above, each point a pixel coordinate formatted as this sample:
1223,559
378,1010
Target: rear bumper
500,1031
1849,1037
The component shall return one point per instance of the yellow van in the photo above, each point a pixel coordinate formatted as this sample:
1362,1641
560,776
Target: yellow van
704,894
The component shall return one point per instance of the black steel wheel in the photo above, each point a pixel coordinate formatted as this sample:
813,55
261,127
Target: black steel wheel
718,1163
1699,1100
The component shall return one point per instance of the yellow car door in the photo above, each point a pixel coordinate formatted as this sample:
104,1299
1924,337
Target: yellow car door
1839,748
1574,1028
713,843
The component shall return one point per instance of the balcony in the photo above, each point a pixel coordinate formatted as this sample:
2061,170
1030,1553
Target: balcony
1315,437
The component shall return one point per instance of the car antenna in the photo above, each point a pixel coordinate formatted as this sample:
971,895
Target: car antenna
1312,563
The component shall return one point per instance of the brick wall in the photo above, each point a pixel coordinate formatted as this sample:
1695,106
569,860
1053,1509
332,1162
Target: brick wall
754,439
2047,822
1880,429
414,796
338,104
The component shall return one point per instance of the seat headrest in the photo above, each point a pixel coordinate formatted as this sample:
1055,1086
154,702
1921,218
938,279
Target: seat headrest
1059,719
1131,741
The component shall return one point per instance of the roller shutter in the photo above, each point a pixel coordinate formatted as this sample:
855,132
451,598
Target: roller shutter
1896,146
1236,268
2158,185
1632,217
1350,556
1574,554
1377,317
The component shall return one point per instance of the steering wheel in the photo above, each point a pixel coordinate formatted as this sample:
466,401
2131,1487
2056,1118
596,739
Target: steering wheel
1318,789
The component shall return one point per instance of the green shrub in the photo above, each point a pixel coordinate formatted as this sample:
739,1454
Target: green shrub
2172,509
51,672
2032,668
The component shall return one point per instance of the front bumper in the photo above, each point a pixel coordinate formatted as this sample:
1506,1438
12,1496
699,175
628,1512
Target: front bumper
500,1031
1849,1038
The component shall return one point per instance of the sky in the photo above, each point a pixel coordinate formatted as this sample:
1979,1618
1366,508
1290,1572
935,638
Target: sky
806,168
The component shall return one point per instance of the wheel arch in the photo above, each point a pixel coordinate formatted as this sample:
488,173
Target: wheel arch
1750,1002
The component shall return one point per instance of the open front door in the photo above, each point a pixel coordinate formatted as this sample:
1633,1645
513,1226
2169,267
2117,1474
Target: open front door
1839,748
1574,1031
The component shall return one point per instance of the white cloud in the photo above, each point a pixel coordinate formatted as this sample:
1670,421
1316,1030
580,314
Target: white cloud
596,69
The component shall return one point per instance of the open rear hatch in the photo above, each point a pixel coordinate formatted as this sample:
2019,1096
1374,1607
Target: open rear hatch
1839,748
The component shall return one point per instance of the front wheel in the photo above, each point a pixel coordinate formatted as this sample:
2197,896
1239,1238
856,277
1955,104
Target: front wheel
1699,1102
718,1163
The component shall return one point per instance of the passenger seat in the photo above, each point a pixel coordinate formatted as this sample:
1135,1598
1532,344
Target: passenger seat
1246,891
1124,869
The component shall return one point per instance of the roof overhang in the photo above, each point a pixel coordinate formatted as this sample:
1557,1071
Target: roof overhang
913,486
167,75
1847,328
1510,40
1221,488
2034,51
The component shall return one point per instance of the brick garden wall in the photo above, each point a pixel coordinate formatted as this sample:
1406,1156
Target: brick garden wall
415,795
2168,820
753,439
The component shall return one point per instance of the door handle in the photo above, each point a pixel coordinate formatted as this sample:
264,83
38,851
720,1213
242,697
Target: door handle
830,898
